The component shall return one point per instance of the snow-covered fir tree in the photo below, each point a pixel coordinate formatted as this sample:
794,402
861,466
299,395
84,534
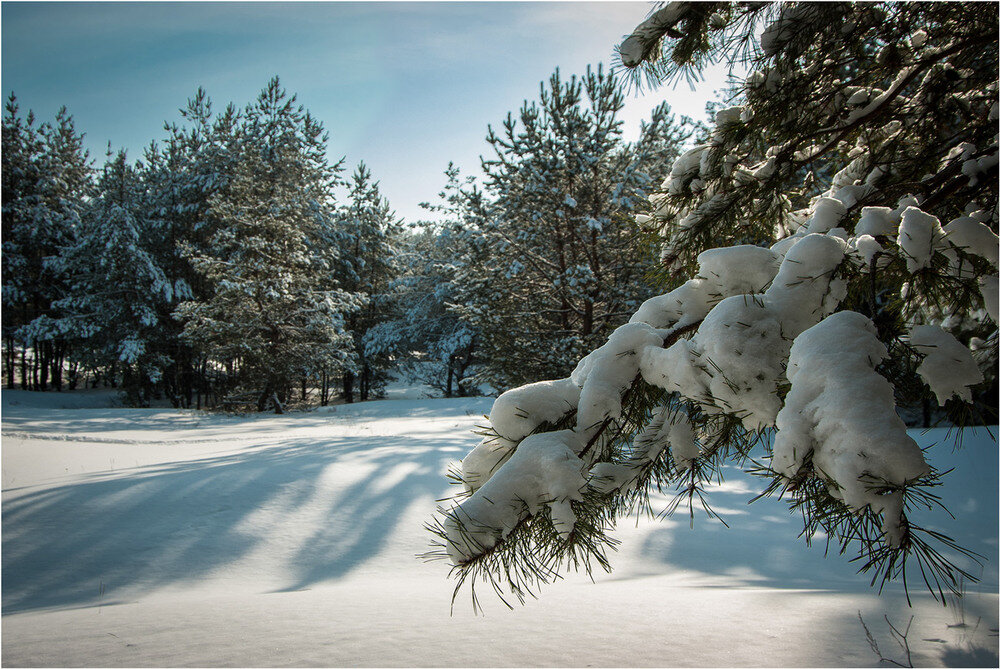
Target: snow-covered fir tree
448,341
428,339
566,259
368,265
193,164
46,179
838,228
117,294
266,315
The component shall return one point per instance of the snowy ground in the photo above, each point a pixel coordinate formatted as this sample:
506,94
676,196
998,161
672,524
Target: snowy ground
161,537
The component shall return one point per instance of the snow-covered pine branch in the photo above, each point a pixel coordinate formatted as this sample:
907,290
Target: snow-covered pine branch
842,218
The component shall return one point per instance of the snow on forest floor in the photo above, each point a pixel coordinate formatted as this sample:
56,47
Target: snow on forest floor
136,537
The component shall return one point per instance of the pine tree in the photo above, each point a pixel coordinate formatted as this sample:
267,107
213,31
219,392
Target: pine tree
46,178
194,164
836,225
266,313
427,340
368,265
117,292
566,261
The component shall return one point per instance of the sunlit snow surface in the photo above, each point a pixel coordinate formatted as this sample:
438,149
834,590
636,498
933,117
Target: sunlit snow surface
161,537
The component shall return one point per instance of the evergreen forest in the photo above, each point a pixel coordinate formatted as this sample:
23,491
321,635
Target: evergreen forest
236,266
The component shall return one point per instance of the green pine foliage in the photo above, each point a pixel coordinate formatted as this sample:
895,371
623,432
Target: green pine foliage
112,309
46,180
369,264
266,311
193,164
219,271
562,260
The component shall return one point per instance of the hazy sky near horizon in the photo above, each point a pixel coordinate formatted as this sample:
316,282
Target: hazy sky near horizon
405,87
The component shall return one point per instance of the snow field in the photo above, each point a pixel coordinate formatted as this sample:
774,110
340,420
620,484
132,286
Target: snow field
167,538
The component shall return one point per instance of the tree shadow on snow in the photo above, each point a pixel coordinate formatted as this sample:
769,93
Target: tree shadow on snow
762,546
976,656
111,537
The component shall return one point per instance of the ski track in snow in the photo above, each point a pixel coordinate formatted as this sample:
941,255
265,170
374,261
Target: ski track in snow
159,537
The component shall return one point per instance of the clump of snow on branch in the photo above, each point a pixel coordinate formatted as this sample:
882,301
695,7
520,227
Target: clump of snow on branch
735,361
517,412
920,235
948,367
544,469
604,374
876,221
785,28
721,273
971,235
634,49
860,448
483,460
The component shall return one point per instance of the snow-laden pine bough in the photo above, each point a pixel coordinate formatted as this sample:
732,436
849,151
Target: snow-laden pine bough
784,357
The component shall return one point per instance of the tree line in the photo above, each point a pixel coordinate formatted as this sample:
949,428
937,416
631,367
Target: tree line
220,270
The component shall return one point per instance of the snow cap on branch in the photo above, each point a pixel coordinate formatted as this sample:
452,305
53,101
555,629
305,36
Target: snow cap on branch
638,46
920,235
604,374
545,469
722,272
861,449
517,412
948,367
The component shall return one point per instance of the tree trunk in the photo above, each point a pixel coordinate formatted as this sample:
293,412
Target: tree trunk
187,381
283,393
366,382
564,306
588,319
11,353
463,365
59,354
264,396
44,352
74,375
348,387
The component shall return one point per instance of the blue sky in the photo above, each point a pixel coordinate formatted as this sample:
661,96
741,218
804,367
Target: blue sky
404,86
